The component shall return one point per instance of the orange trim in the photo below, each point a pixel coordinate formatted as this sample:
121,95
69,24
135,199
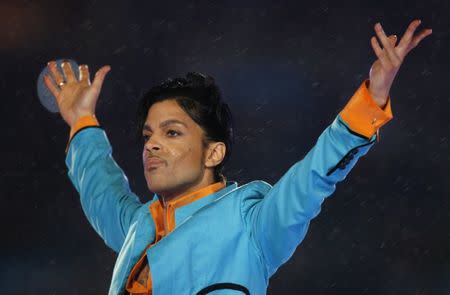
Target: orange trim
133,286
194,196
160,215
157,212
84,121
189,198
363,115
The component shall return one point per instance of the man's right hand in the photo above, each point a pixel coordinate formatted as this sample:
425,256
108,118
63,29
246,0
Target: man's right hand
75,97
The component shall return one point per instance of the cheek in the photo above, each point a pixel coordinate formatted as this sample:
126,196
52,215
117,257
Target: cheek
187,158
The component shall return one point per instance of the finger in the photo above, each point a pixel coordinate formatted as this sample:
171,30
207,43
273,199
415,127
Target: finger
56,75
408,35
51,86
387,46
380,53
393,39
417,39
68,72
84,74
100,77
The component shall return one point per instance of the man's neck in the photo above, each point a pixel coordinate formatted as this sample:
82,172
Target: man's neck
170,196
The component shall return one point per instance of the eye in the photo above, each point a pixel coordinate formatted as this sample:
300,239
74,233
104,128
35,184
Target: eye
145,137
173,133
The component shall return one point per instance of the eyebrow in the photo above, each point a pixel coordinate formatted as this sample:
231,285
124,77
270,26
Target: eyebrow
166,123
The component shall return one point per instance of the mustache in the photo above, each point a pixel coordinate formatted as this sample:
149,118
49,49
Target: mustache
150,156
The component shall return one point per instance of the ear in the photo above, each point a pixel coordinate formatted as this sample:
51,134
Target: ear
215,154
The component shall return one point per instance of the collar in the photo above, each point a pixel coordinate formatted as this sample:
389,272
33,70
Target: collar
194,196
177,210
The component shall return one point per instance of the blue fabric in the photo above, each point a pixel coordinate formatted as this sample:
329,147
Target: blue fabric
239,235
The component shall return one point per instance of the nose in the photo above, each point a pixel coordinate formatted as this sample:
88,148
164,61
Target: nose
152,144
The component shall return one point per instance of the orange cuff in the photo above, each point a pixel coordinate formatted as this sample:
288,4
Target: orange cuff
82,122
363,115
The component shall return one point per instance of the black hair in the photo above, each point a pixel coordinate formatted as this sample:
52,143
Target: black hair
200,97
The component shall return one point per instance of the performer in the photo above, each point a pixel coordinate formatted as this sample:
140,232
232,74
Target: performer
201,233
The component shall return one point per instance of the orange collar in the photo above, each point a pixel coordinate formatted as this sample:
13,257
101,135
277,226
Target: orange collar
164,218
194,196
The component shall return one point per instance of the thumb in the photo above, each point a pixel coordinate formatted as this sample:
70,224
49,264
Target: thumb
100,77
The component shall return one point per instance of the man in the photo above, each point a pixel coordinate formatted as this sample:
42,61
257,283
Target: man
201,233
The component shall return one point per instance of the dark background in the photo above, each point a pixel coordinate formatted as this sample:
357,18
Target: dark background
286,70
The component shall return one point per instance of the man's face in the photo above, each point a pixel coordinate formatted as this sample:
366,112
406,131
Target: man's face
174,141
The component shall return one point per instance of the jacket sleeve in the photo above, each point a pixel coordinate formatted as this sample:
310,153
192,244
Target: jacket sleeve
104,191
278,220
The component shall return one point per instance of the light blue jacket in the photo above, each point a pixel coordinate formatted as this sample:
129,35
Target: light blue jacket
235,238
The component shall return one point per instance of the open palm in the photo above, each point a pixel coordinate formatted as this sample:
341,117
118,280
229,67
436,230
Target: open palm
75,97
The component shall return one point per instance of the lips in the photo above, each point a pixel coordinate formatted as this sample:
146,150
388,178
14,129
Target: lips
153,162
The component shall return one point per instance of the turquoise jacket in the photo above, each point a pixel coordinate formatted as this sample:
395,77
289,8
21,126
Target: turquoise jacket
229,242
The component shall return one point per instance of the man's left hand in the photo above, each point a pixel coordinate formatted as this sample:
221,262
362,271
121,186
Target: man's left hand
390,58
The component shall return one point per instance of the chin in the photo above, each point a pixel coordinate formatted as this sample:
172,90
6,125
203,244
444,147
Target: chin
155,186
158,185
154,183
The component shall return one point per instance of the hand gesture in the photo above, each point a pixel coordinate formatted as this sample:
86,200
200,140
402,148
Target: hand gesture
390,58
75,97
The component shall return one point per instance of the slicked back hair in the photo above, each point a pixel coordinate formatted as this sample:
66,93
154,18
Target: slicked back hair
200,97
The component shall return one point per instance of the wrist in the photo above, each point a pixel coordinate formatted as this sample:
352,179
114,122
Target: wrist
380,99
84,121
380,102
82,116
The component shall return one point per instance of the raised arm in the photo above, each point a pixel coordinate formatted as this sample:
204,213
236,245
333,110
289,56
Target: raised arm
277,218
104,191
105,195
